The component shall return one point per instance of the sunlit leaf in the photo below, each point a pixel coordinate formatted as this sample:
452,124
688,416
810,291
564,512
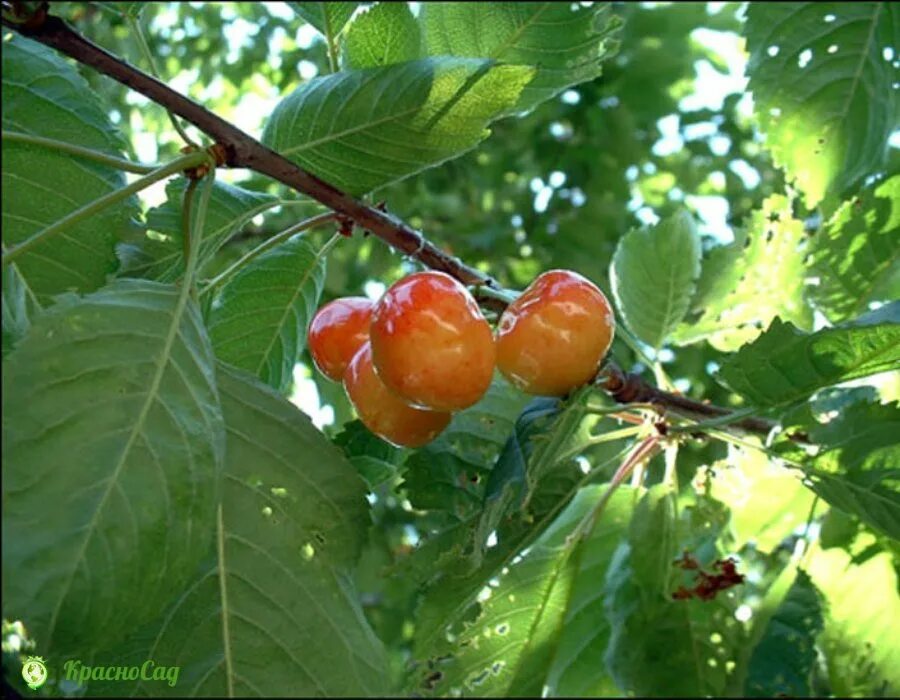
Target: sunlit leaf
823,90
857,253
567,43
746,284
112,446
785,365
329,18
387,33
363,129
653,274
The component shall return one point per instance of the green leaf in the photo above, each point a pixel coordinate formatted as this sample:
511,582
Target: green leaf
258,319
230,207
375,460
767,501
785,365
508,648
273,607
577,669
857,253
654,539
859,642
660,647
822,90
746,284
113,443
782,662
122,9
329,18
17,307
857,468
387,33
45,96
653,273
363,129
566,43
450,473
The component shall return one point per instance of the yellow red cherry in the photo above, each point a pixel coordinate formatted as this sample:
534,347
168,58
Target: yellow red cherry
553,337
336,332
384,413
430,343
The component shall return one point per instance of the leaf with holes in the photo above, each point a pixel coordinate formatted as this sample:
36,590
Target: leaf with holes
566,43
363,129
387,33
112,447
45,96
653,273
823,91
161,257
857,253
782,661
508,648
258,320
859,642
273,606
785,365
746,284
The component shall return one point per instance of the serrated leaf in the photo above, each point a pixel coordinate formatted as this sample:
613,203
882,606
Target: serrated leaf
653,539
859,642
822,89
45,96
566,43
387,33
450,473
507,650
112,448
329,18
782,661
653,273
746,284
258,320
785,365
857,253
273,607
230,207
363,129
858,466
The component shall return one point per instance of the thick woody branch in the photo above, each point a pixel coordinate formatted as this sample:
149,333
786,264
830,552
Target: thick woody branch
238,149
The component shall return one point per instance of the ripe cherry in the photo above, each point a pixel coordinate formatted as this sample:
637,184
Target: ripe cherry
430,343
337,331
384,413
552,338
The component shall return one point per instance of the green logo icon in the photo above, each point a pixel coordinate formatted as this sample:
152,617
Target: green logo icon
34,672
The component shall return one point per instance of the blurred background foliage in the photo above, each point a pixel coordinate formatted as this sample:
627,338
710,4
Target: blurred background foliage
668,124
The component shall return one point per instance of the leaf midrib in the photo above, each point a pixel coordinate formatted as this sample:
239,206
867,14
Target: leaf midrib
137,429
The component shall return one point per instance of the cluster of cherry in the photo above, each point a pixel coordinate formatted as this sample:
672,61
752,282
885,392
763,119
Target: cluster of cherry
424,350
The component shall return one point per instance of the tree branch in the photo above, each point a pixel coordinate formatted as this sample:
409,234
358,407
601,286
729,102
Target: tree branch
243,151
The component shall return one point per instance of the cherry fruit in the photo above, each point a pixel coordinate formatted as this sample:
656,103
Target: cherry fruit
336,332
430,343
553,337
384,413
